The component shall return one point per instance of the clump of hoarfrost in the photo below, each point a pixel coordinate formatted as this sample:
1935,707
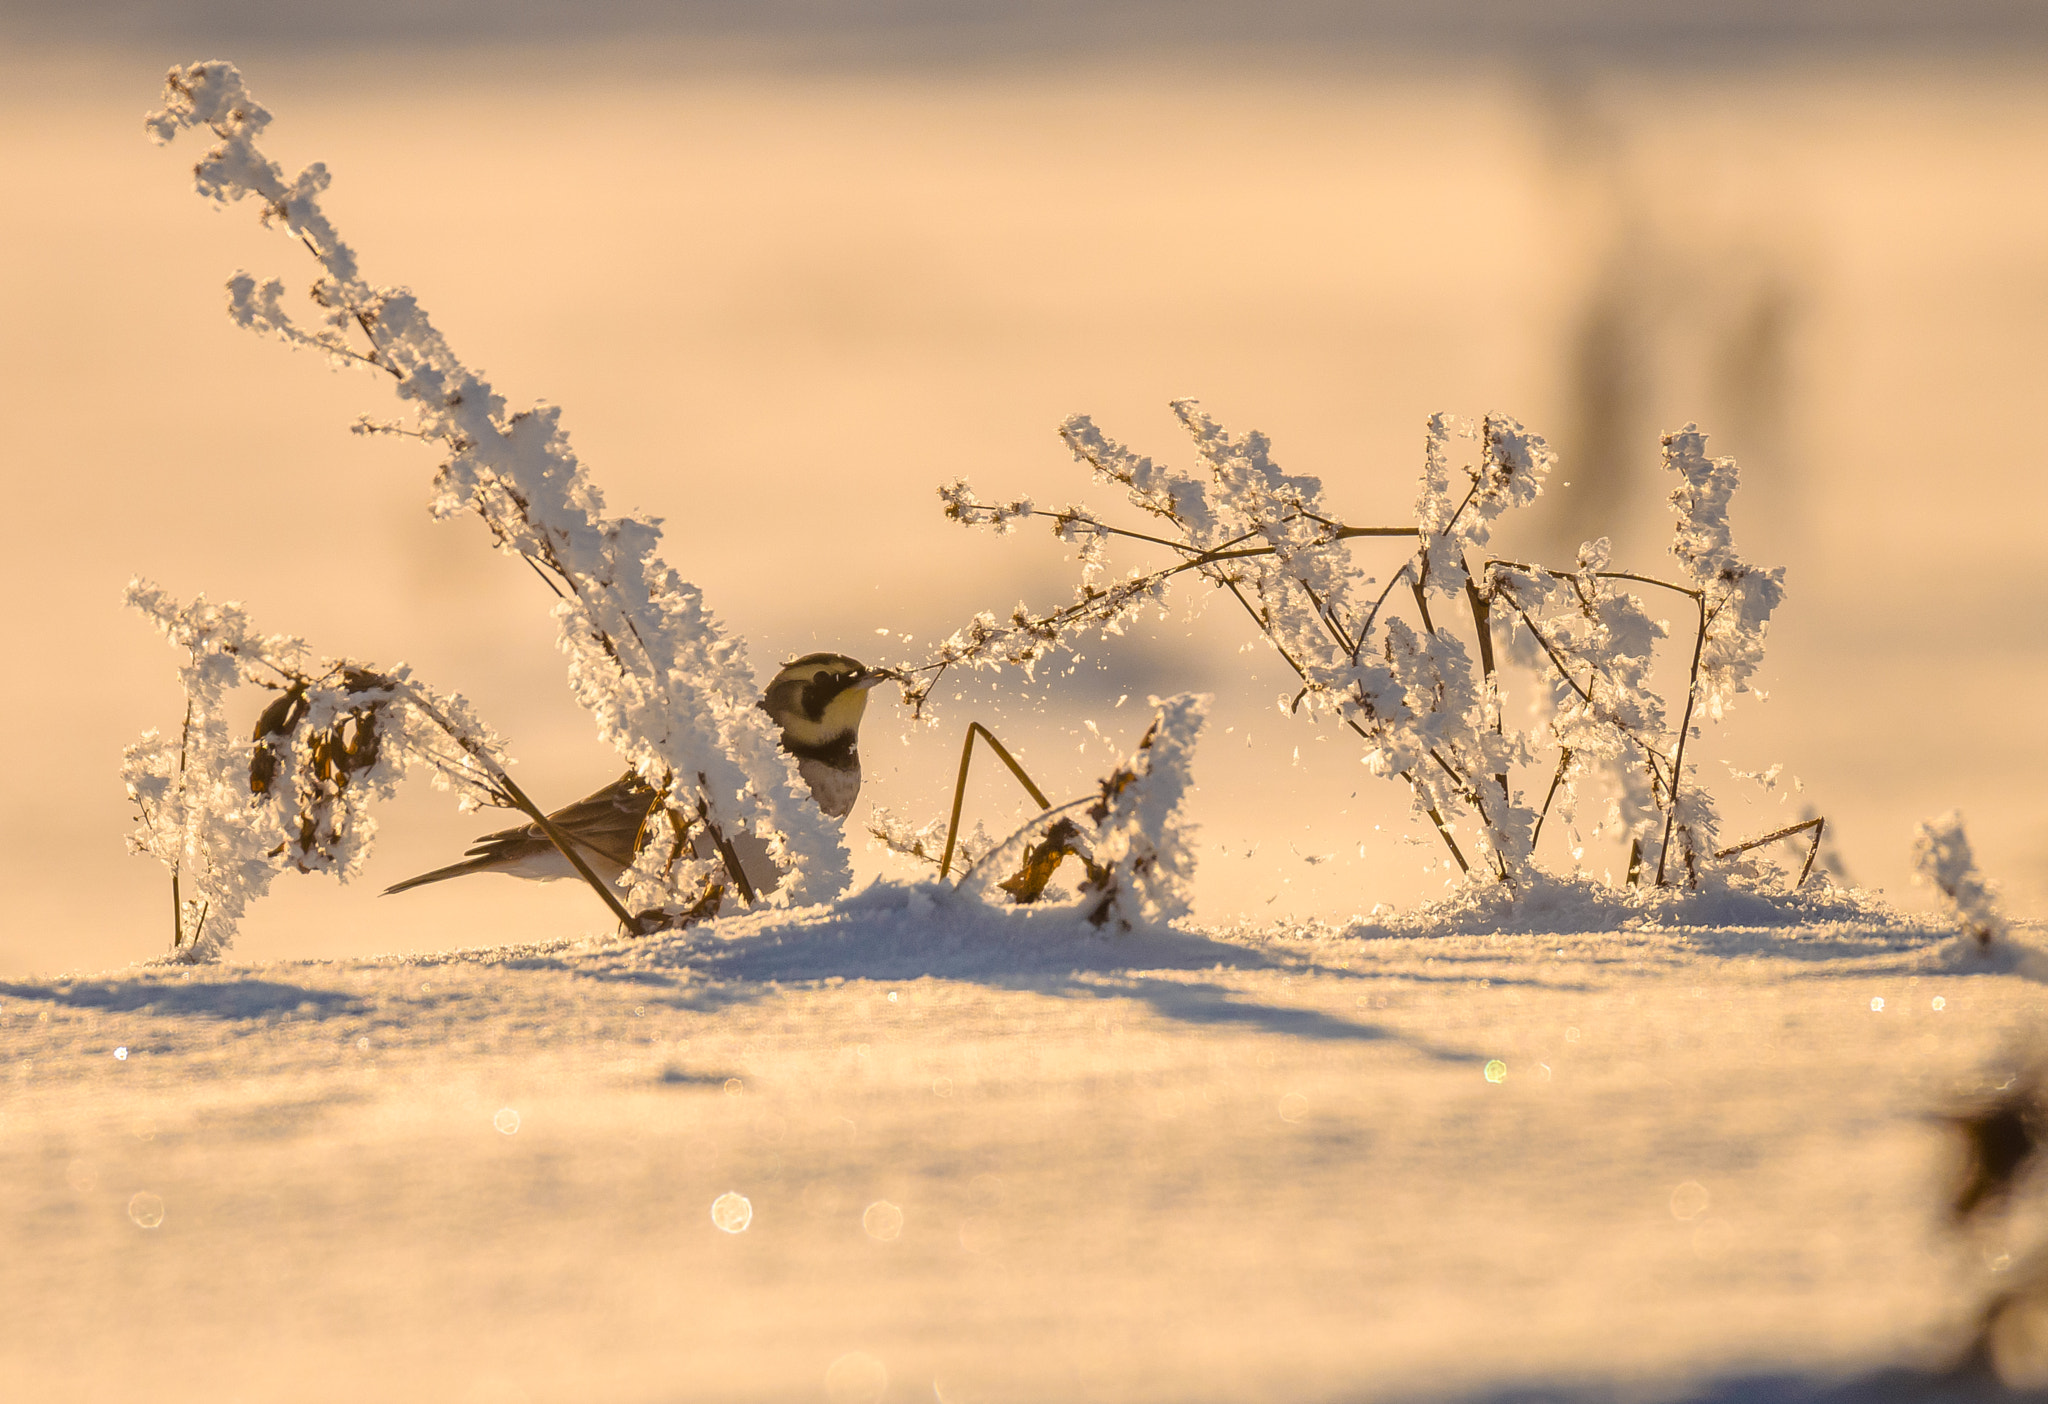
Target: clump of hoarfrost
925,843
1144,862
1942,858
668,687
227,813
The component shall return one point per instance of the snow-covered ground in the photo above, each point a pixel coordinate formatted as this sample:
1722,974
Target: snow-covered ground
997,1156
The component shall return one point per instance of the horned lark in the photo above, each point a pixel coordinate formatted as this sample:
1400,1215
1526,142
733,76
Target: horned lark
816,700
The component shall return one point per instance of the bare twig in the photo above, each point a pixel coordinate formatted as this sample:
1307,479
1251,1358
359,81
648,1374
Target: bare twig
510,787
960,785
1818,826
1564,761
1692,696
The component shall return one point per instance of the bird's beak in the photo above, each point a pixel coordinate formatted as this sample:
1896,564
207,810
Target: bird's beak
874,680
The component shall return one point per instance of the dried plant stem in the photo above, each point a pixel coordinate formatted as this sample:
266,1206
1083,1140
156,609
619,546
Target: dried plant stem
1564,761
1482,624
1019,832
960,785
510,789
1692,697
1818,826
177,901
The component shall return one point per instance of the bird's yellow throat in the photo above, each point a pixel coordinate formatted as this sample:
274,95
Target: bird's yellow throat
842,714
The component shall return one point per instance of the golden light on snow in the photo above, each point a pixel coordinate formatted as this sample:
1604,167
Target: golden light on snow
121,1054
1294,1106
146,1209
1496,1071
856,1378
507,1121
733,1087
882,1220
1710,1240
1939,1004
732,1212
1877,1004
980,1234
1690,1200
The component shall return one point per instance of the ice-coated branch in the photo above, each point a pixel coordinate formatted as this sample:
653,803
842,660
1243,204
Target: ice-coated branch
1735,603
668,687
1139,836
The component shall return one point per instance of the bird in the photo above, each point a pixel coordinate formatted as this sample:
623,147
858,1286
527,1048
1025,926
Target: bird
817,700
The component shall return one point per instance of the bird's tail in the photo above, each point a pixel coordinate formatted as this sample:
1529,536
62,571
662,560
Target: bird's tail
453,870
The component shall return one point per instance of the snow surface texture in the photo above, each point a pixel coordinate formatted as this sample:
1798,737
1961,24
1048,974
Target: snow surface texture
910,1147
668,687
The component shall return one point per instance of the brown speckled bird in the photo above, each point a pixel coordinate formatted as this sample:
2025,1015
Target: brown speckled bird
817,700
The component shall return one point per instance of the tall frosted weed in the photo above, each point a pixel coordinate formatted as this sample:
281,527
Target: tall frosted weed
668,687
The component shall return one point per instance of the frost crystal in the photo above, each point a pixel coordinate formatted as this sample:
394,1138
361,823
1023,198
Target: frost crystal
926,842
669,688
1140,843
1737,598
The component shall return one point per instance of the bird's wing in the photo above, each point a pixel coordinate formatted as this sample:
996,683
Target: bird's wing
607,822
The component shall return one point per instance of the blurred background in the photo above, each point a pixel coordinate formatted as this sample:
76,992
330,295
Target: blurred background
789,266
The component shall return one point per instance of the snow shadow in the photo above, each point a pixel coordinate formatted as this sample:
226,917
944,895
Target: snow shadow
1887,1386
213,999
894,932
1218,1005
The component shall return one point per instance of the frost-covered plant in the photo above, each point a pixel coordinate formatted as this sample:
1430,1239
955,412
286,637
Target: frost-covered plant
1942,858
226,813
1132,838
1598,641
1267,539
668,687
926,843
1139,839
1429,713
